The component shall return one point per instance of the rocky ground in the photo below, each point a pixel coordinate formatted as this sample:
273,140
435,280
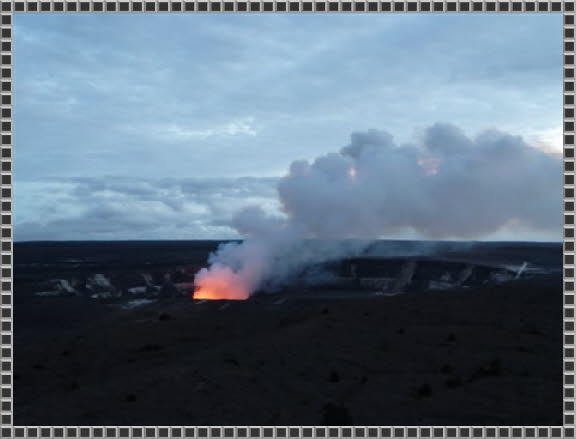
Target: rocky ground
490,355
485,357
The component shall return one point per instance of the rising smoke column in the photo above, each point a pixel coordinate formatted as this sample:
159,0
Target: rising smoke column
445,185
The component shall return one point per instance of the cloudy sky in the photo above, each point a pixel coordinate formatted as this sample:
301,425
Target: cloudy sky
161,126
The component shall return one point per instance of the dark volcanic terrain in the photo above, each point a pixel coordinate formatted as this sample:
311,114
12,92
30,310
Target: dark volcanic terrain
485,355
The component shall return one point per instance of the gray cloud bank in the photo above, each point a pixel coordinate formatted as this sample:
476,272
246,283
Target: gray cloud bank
135,208
301,84
444,185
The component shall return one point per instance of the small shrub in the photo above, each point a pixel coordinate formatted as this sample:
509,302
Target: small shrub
163,317
383,345
231,359
495,368
72,385
423,391
453,382
334,377
336,414
151,348
445,369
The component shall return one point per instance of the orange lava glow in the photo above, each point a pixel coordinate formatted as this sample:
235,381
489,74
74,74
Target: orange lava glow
220,282
218,294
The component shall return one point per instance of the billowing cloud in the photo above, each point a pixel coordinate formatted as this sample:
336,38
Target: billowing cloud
446,185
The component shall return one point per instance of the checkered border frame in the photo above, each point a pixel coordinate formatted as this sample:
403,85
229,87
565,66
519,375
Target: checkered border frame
405,6
8,7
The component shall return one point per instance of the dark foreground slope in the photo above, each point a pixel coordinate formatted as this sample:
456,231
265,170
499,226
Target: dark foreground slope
490,356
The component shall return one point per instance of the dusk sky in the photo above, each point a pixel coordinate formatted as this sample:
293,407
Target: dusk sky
162,126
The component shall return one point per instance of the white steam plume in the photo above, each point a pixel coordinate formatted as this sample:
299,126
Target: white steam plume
445,186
